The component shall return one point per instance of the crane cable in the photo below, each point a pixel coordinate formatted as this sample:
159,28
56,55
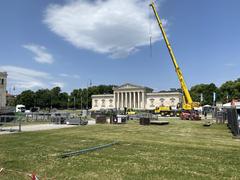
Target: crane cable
150,31
150,27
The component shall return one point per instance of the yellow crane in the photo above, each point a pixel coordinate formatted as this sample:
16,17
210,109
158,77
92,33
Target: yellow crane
188,103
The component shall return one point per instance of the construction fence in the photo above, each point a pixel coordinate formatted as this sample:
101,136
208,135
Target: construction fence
10,123
233,121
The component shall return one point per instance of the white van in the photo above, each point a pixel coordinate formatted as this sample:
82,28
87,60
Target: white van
20,108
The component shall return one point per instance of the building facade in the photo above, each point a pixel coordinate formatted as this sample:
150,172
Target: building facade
135,97
3,89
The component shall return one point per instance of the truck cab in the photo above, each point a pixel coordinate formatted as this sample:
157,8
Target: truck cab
20,108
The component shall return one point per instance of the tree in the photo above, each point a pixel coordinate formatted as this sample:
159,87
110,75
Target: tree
207,90
83,96
63,100
43,98
230,90
26,98
55,97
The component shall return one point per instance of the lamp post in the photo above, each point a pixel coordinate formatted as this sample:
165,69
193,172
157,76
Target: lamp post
214,98
74,102
201,97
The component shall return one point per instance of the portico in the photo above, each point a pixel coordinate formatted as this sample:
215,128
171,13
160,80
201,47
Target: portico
135,97
129,96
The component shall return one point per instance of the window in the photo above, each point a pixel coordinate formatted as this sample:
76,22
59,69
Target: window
152,103
162,101
96,105
103,102
172,101
110,103
2,81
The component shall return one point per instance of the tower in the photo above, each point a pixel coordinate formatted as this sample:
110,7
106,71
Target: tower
3,88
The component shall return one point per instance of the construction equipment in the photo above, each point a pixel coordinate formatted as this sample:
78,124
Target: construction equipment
167,111
131,112
188,104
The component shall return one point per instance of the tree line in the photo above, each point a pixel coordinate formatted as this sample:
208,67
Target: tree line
55,98
225,93
81,98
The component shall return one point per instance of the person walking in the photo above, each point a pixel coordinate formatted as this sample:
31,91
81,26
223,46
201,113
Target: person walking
205,114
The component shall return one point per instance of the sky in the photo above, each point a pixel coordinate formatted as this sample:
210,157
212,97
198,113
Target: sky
70,43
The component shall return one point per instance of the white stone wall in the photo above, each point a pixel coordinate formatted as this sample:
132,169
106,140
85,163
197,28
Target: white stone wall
105,101
135,97
162,99
3,86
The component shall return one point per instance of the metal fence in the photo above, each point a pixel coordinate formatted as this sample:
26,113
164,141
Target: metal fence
233,118
56,118
36,116
10,123
221,117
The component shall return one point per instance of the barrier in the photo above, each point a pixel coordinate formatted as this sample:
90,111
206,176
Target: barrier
10,123
233,118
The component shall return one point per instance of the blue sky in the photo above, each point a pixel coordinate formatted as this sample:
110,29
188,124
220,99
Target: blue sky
67,43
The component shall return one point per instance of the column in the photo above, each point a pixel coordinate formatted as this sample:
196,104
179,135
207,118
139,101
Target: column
139,100
130,99
143,100
134,100
128,95
117,100
125,102
121,100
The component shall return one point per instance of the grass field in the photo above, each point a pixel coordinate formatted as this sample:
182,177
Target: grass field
181,150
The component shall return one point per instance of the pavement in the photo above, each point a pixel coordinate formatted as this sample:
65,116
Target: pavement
41,127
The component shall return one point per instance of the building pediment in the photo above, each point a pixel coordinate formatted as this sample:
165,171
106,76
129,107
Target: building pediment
128,86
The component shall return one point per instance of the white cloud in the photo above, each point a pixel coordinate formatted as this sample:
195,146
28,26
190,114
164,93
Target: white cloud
64,75
113,27
23,78
76,76
58,84
40,52
69,76
230,64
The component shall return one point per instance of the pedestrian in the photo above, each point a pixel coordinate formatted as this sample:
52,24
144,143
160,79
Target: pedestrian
205,114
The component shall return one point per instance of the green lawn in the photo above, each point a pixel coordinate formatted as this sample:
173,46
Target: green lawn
181,150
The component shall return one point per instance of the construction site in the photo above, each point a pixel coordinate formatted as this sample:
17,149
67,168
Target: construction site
124,131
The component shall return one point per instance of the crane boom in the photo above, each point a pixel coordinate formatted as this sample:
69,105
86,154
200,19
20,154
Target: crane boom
188,103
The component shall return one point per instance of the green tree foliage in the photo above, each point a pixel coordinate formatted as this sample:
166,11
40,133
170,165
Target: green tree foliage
82,97
43,98
207,90
54,98
63,100
26,98
225,93
230,90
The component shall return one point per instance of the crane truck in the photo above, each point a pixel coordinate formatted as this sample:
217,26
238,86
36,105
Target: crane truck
187,109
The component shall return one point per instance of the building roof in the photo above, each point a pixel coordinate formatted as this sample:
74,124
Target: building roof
102,95
3,74
168,93
129,86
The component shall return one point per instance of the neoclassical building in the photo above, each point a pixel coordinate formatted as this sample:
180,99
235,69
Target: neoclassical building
3,86
135,97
